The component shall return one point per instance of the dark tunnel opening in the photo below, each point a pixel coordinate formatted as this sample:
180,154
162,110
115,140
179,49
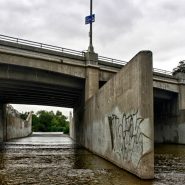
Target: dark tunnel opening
165,116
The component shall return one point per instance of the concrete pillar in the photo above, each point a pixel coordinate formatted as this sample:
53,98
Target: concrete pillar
71,125
181,115
182,97
92,75
179,126
92,81
3,122
181,79
91,58
181,102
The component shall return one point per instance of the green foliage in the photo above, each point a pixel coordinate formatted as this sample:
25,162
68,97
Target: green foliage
24,115
44,121
180,67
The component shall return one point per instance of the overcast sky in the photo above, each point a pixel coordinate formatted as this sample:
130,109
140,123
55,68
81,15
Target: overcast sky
122,27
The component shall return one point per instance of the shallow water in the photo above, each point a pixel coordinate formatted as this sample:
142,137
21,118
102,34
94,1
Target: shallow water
56,159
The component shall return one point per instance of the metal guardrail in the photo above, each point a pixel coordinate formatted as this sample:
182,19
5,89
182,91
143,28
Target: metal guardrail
161,71
69,51
115,61
41,45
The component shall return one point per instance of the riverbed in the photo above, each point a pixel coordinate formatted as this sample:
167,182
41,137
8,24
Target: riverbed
51,158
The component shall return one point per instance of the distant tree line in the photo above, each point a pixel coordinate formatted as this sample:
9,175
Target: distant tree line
44,121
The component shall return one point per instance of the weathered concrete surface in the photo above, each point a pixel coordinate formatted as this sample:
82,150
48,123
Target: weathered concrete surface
170,132
169,117
170,128
15,126
182,96
2,121
167,84
118,120
58,62
91,81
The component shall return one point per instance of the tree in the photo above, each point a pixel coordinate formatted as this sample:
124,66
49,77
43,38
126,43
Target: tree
179,68
24,115
44,121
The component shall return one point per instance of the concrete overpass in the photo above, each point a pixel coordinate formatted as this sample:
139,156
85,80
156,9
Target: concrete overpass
58,72
41,74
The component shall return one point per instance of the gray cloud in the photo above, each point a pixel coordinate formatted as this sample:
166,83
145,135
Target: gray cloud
122,27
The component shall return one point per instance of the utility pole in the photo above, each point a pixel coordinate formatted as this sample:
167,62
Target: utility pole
91,56
92,67
91,49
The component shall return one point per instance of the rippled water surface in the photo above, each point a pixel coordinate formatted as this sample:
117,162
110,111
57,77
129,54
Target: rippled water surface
56,159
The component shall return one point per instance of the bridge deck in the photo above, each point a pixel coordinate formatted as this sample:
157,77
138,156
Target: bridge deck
61,51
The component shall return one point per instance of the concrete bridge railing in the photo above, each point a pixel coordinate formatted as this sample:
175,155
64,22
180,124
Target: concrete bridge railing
69,51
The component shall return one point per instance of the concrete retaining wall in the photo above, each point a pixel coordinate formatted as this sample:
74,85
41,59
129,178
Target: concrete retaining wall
166,129
2,118
170,129
170,133
118,120
15,126
169,118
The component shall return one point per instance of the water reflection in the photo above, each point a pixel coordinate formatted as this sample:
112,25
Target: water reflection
41,163
170,164
2,176
106,172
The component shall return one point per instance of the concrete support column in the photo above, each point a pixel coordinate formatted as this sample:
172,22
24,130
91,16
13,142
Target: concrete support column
71,125
181,97
181,115
3,122
92,75
181,102
92,81
179,126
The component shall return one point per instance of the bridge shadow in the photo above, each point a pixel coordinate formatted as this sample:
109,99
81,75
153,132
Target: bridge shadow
166,116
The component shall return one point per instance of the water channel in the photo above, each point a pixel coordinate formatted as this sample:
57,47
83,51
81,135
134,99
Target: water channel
49,158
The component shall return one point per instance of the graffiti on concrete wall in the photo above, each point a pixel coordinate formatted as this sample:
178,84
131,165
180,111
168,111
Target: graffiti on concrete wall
126,136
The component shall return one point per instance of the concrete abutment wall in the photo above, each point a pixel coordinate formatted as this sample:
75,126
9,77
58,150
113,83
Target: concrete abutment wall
15,126
169,116
117,122
2,121
11,125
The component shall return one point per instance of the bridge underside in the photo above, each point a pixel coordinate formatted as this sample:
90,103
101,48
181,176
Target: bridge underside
17,92
21,85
